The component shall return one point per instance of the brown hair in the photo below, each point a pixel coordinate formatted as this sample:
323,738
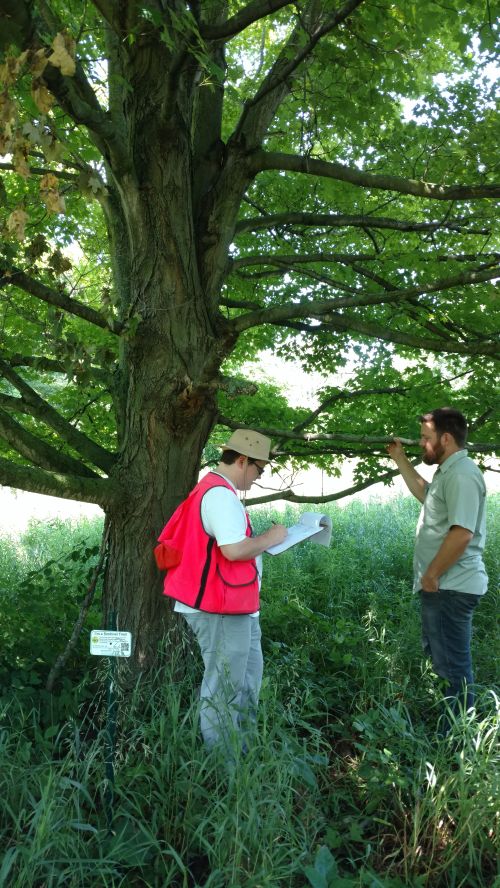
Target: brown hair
447,419
228,457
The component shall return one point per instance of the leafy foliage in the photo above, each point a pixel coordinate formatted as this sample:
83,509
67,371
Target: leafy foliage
44,579
185,185
345,103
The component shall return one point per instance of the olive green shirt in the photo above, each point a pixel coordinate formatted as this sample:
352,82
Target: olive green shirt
455,496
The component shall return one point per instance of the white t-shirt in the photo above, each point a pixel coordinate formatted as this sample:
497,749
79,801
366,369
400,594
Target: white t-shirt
224,518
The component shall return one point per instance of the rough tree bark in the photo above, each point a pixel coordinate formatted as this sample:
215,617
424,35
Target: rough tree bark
168,365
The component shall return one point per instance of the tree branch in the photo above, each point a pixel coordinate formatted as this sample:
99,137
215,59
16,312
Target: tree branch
52,366
481,420
263,160
42,171
109,10
73,178
38,362
76,439
75,94
337,220
319,309
234,385
347,396
308,437
85,110
255,10
421,310
86,490
291,497
10,275
350,324
285,261
417,313
252,126
16,404
257,113
39,452
237,303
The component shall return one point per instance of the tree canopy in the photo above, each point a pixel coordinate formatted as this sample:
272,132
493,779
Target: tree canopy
186,184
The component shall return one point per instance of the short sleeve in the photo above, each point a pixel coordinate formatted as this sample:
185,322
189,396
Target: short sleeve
464,499
223,516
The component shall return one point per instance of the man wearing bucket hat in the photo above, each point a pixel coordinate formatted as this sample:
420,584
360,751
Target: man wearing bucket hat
214,569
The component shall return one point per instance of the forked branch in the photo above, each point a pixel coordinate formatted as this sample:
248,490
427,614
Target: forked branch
83,445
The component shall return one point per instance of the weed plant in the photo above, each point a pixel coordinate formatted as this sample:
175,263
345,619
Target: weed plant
347,782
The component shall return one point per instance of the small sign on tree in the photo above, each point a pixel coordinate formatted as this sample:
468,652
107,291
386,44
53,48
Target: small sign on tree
106,643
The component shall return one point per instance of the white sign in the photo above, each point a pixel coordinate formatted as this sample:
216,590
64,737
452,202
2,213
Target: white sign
106,643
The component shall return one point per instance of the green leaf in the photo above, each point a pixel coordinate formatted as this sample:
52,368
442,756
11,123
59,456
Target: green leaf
316,879
325,862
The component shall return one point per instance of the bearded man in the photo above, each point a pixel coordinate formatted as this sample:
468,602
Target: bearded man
449,573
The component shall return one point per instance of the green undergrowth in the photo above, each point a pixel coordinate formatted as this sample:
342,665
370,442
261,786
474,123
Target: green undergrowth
347,782
44,576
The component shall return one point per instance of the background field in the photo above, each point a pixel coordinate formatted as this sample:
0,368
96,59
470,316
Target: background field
347,784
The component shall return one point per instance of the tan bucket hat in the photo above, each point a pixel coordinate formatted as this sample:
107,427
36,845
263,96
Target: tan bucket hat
249,443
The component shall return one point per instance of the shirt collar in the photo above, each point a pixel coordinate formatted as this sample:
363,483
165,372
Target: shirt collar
214,472
454,458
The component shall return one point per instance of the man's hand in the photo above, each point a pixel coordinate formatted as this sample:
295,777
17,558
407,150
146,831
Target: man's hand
395,450
252,546
429,583
276,534
453,546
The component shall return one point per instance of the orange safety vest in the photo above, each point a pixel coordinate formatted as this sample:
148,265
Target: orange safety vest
197,572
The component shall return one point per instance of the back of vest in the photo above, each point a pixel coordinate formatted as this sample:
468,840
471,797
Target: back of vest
198,574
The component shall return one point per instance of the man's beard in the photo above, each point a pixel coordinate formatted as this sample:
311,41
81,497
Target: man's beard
437,453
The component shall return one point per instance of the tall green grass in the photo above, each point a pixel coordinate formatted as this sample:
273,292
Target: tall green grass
347,782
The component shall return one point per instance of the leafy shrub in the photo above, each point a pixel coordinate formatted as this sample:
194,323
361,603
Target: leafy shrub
49,570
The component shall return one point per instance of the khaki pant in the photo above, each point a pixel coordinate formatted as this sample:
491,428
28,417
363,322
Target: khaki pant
229,694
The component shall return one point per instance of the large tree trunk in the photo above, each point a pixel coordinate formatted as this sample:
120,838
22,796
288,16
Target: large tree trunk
168,295
166,469
167,405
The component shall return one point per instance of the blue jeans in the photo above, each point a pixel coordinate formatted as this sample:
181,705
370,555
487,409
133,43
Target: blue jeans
446,637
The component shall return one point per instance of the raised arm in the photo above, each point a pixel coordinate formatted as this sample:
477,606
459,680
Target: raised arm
414,482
